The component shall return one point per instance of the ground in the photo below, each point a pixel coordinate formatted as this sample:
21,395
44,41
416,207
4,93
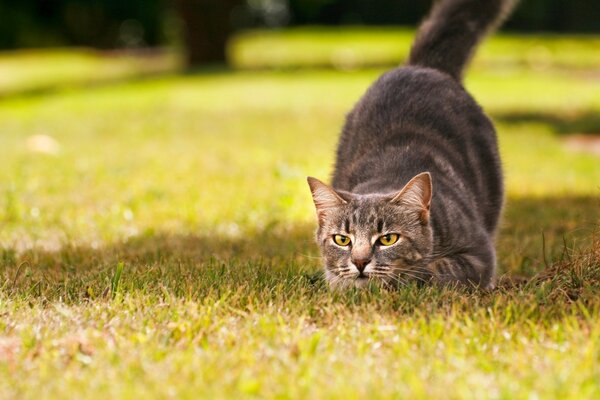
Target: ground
157,230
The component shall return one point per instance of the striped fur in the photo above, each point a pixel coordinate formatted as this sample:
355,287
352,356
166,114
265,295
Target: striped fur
417,119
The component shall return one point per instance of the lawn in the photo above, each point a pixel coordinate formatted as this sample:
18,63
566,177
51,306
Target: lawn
156,229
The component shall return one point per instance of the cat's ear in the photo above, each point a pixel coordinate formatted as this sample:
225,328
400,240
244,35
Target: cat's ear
325,197
417,193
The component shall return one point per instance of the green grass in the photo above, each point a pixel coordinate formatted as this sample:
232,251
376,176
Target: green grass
161,245
353,47
39,71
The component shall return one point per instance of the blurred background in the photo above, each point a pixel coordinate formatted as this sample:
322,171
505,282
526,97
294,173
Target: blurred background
202,27
142,119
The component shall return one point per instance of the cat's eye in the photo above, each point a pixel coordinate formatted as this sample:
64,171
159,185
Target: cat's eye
341,240
389,239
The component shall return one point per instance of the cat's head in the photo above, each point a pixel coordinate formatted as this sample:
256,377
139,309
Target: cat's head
379,238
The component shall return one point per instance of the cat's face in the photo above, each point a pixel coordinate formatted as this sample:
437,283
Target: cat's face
383,239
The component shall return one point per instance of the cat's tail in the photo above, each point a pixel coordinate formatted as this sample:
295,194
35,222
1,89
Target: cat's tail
449,35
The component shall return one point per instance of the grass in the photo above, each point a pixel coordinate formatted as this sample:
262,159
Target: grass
349,48
40,71
156,238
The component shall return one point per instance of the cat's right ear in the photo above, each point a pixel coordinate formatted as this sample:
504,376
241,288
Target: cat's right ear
324,197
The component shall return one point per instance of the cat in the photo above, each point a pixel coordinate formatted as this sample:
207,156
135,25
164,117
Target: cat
417,188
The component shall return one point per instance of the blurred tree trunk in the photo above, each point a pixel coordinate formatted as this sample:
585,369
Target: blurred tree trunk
207,28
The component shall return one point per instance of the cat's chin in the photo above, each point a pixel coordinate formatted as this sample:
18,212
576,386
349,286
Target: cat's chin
357,282
362,282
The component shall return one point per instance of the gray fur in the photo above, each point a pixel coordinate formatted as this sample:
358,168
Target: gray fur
412,120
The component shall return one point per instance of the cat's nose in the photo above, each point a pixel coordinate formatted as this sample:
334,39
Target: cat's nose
361,263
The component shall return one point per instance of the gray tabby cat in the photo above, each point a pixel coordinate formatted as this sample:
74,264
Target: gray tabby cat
417,188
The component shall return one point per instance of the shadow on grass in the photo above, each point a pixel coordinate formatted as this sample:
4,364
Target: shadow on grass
102,82
538,231
179,261
274,263
587,122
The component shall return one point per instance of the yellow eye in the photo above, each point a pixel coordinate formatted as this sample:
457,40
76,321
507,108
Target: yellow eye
341,240
389,239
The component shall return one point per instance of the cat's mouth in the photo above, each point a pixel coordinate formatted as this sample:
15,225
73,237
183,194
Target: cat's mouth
361,280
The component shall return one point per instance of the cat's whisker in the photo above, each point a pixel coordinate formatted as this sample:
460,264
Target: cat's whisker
397,280
407,273
419,273
401,267
416,277
376,276
335,281
391,276
380,268
412,268
340,269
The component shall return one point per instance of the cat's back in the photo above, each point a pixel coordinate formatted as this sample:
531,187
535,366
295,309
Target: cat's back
413,107
415,119
412,98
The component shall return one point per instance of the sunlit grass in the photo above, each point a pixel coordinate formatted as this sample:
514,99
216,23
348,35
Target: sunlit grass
157,241
37,71
350,48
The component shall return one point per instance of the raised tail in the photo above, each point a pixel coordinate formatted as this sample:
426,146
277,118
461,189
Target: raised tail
448,37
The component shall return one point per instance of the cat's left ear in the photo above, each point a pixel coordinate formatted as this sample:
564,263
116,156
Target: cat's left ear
417,193
324,197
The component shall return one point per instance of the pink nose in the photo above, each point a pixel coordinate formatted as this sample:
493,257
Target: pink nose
361,263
